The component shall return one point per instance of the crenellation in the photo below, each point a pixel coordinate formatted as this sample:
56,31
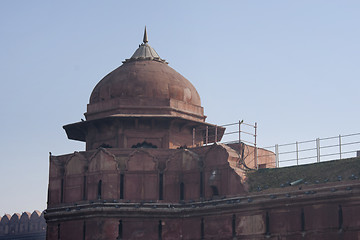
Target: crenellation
24,222
25,226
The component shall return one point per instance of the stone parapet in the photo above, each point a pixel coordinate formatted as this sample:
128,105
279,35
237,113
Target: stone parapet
23,226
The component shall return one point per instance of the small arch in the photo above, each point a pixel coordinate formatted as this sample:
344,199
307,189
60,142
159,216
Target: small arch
233,225
161,185
120,230
84,230
182,191
340,214
121,186
302,220
105,145
99,189
144,144
201,184
84,187
267,224
215,191
202,229
58,231
160,230
62,191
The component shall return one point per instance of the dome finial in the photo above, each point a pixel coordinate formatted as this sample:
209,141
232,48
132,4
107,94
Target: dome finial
145,52
145,40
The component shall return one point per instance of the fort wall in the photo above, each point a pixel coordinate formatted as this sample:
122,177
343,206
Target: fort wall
23,226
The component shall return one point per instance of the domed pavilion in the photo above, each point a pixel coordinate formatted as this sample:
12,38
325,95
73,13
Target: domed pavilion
148,171
144,103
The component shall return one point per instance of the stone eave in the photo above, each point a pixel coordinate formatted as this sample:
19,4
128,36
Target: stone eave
77,131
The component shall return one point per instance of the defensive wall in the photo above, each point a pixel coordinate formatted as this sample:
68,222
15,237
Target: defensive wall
23,226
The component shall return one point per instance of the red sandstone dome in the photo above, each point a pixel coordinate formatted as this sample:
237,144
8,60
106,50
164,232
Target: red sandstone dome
145,80
144,93
145,84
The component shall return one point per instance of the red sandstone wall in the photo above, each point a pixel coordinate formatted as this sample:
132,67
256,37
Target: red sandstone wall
285,220
75,177
271,219
135,229
265,158
315,217
218,227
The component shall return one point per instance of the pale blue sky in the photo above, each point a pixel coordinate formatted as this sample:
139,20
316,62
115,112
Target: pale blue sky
291,66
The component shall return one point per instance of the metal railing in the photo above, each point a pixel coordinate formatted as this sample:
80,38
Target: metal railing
245,133
317,150
297,153
238,132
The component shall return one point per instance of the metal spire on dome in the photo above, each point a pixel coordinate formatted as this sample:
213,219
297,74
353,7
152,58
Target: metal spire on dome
145,40
145,52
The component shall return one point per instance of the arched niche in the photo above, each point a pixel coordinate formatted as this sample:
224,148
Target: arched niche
103,160
217,155
76,165
56,166
184,160
141,160
144,144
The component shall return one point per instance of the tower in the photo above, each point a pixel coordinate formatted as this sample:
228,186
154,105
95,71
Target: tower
143,103
147,174
144,164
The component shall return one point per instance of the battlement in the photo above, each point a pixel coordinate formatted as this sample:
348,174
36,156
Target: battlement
26,225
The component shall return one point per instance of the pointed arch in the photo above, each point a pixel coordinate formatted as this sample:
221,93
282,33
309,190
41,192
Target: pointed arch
76,164
182,191
102,160
184,159
141,160
99,189
141,178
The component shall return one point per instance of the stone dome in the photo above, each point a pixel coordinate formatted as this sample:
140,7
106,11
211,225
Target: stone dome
144,101
145,84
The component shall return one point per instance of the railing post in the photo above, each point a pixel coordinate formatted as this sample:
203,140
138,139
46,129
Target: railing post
277,155
193,137
255,149
206,135
340,145
239,131
215,133
297,153
318,149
